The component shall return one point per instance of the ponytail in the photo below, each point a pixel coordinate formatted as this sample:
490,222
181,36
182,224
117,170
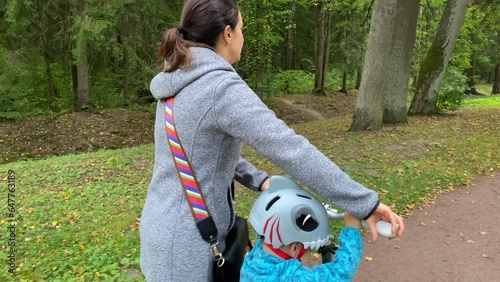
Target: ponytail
174,50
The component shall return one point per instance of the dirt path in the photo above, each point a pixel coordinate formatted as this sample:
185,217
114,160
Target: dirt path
300,107
454,239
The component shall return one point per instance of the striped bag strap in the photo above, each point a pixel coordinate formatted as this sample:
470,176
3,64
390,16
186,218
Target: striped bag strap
186,174
192,191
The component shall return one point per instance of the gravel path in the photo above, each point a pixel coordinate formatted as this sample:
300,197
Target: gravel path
455,238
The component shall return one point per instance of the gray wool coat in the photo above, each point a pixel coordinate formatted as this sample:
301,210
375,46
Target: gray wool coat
215,112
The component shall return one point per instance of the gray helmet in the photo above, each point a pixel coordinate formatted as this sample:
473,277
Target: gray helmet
285,213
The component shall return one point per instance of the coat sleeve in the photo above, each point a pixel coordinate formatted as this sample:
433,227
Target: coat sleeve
248,175
240,113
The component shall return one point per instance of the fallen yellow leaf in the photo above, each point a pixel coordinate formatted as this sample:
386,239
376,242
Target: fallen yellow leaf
80,269
65,195
368,258
54,223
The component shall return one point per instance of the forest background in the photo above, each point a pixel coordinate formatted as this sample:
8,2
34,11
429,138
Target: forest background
88,55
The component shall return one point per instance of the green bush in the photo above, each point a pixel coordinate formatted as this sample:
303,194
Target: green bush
452,90
105,91
292,82
333,80
300,82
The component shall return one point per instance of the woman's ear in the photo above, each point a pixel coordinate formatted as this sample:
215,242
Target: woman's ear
227,34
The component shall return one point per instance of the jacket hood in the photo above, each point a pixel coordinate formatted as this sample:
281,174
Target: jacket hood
204,60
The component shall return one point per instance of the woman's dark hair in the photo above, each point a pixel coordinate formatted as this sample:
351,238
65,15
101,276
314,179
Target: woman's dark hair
201,23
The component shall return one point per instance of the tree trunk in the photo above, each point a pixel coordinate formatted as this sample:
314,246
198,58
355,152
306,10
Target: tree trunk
399,63
290,50
42,29
344,82
259,69
51,87
344,72
322,47
435,62
83,102
126,73
80,57
359,74
369,104
74,81
326,48
471,73
496,80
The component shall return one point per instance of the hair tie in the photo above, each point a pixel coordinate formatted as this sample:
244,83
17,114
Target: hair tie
180,29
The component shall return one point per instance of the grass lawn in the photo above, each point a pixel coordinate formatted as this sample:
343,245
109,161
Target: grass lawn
78,215
484,88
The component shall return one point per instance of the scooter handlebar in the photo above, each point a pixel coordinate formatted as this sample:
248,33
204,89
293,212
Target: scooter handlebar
383,227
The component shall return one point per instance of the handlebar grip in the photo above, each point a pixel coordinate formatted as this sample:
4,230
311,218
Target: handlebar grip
383,228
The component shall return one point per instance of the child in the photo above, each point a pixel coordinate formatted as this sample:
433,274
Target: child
291,222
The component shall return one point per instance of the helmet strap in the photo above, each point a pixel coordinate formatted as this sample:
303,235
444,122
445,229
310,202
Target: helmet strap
284,255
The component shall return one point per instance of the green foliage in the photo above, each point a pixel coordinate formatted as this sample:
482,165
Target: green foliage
300,82
452,90
57,33
24,89
426,28
107,91
351,24
7,98
18,14
292,82
334,80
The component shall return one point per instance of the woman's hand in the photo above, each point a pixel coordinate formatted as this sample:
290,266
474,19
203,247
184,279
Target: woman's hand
265,185
385,213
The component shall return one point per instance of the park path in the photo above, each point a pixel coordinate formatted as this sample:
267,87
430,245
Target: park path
455,238
301,108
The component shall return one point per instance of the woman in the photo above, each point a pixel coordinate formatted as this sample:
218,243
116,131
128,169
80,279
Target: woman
215,112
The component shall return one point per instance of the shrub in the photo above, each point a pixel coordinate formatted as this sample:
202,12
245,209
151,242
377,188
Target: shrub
451,93
292,82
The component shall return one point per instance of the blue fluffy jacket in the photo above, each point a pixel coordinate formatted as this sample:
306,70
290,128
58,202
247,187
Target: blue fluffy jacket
260,266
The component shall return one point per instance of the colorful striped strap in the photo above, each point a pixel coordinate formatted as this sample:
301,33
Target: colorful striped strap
204,222
186,174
